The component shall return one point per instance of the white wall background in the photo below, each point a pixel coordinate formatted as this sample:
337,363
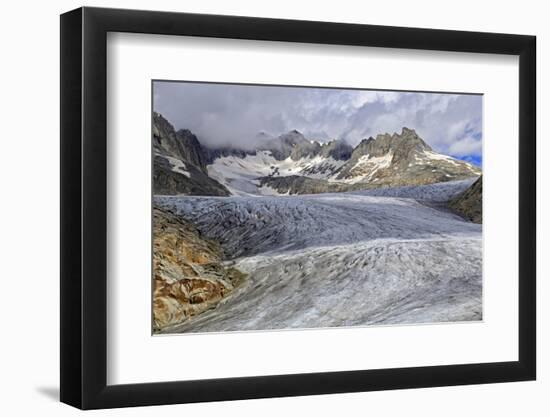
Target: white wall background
29,225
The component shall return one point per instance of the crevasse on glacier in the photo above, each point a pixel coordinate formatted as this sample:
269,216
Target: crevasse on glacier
383,256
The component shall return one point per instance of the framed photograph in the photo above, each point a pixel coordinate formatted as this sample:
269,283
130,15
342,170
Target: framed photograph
258,208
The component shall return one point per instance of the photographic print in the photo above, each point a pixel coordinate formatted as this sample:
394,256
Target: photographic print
293,207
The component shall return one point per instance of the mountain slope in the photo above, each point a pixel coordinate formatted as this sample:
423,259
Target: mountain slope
292,164
292,144
470,202
402,159
180,162
336,149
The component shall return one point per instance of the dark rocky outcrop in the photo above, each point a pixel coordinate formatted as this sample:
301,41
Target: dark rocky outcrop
167,181
295,145
469,204
180,162
182,145
214,153
336,149
297,184
191,150
282,146
305,150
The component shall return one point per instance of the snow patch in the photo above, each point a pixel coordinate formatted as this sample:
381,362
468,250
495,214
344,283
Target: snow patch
240,175
367,166
177,165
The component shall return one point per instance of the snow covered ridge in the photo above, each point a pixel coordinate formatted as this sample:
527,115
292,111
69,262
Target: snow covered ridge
185,166
242,175
253,174
387,161
341,259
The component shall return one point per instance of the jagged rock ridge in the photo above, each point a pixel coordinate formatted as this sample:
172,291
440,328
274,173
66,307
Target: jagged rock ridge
180,162
291,163
402,159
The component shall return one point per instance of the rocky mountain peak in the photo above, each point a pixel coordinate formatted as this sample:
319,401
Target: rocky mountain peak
282,146
183,165
401,144
164,137
190,148
336,149
304,150
180,162
406,145
293,137
410,135
182,144
402,158
367,141
363,147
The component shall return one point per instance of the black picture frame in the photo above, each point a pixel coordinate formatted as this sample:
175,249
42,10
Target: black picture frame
84,207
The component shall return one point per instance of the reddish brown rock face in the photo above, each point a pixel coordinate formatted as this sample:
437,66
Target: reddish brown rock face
189,277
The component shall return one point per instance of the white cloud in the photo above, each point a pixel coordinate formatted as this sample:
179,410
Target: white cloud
466,146
233,114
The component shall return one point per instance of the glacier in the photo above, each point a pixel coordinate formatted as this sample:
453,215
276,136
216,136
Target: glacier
382,256
240,174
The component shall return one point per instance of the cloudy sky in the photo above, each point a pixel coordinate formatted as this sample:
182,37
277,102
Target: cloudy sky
224,114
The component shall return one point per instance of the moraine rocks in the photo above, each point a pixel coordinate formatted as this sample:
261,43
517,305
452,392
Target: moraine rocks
188,272
470,203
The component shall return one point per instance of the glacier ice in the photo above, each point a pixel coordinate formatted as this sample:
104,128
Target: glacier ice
383,256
